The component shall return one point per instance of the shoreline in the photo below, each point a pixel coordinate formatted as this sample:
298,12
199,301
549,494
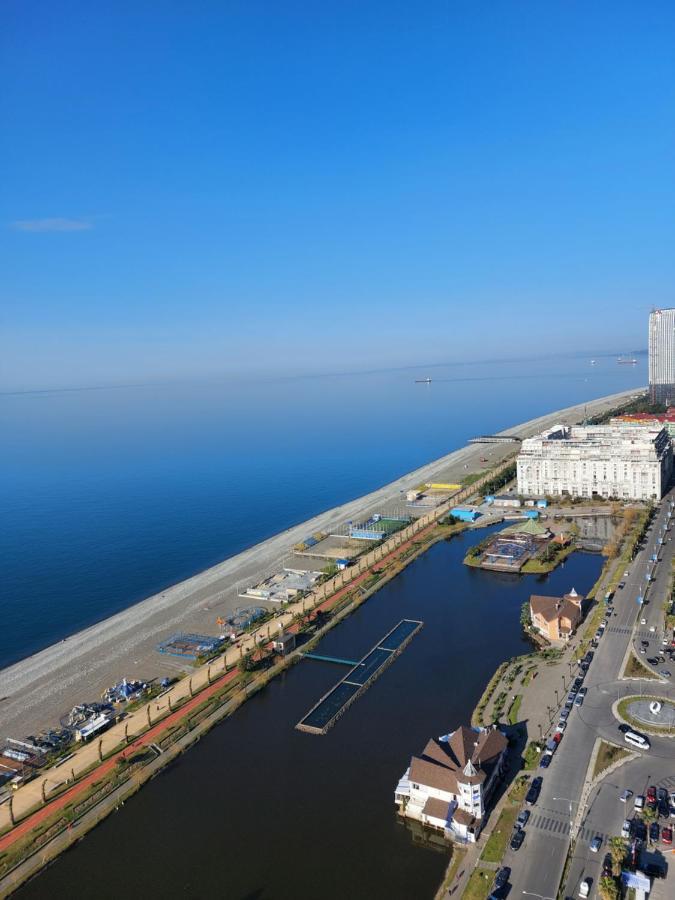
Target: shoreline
41,687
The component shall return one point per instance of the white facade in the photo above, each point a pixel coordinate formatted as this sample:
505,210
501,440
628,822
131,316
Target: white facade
662,355
596,460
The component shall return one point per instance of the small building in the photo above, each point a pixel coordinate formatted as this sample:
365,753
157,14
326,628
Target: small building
506,500
531,513
465,513
556,618
411,496
448,787
284,643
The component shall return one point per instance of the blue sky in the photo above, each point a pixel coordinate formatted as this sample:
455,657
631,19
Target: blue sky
198,188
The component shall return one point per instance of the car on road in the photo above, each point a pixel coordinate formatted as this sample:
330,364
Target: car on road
596,844
644,644
643,649
654,832
502,877
626,795
579,700
667,835
621,584
652,660
623,728
517,839
625,829
607,866
523,816
643,621
585,888
626,573
665,673
533,794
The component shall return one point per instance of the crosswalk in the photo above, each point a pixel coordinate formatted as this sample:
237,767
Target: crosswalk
561,828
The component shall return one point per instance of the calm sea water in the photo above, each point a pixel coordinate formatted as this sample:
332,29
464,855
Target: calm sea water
111,495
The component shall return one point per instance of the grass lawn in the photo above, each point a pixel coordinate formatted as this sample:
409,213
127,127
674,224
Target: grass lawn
479,885
531,756
635,669
519,789
501,833
514,709
607,755
623,712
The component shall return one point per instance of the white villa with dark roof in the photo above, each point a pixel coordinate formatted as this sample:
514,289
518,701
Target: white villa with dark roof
448,786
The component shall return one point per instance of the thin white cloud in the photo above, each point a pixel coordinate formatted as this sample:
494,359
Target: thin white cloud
58,224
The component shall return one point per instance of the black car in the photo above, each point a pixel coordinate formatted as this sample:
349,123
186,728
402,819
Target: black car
639,829
654,832
653,661
577,684
502,877
624,728
607,867
517,839
545,761
533,793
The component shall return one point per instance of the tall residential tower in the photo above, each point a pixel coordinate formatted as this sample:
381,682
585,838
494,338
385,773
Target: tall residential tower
662,356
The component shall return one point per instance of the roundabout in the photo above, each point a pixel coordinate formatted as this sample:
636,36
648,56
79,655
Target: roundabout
653,714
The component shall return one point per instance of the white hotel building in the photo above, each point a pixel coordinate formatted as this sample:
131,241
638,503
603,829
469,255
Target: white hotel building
616,460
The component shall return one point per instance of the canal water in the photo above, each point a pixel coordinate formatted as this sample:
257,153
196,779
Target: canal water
260,811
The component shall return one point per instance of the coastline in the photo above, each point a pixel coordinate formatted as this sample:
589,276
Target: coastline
41,687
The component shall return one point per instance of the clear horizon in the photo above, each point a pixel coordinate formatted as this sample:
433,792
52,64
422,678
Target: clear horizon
200,192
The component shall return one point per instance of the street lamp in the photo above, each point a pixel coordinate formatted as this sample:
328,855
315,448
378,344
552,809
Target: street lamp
570,801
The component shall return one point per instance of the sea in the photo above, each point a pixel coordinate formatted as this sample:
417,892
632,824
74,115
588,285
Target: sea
111,494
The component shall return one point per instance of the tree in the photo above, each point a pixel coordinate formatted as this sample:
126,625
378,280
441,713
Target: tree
608,889
247,663
618,847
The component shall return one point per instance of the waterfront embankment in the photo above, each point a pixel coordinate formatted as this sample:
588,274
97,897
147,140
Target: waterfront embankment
38,690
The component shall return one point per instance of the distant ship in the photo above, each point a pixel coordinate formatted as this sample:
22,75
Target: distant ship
423,381
627,361
592,362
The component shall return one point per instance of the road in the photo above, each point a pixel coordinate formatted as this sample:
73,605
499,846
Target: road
538,866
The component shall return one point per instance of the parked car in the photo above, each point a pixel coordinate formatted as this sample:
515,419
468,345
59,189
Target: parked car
523,816
557,737
654,832
583,691
533,794
596,844
626,795
517,839
625,829
607,866
665,673
579,701
651,793
564,714
585,888
560,729
639,802
667,835
662,795
621,584
545,761
502,877
643,621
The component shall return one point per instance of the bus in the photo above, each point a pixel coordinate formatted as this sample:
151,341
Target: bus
637,740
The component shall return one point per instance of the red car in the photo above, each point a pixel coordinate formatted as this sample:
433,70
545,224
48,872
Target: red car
651,793
557,737
667,836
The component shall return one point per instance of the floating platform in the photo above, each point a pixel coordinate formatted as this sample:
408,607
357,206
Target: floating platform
335,703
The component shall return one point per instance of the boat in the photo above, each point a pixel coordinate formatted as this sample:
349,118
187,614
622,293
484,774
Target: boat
423,381
627,361
592,362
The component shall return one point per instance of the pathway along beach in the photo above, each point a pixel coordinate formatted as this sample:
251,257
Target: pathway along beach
36,691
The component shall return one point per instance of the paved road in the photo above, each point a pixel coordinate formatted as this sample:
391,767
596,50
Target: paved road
537,867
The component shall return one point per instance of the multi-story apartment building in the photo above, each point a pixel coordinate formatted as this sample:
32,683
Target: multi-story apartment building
662,356
617,460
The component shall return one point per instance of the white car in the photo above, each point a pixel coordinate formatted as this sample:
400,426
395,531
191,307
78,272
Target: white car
639,802
625,829
596,844
585,888
626,795
643,621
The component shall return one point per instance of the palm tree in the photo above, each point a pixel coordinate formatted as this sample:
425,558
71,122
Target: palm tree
608,889
618,847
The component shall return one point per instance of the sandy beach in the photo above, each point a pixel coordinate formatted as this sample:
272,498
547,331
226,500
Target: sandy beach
37,691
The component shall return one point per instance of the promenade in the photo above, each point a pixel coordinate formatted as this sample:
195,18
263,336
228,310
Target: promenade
37,691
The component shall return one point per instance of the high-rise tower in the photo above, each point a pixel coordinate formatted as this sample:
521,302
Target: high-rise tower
662,356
